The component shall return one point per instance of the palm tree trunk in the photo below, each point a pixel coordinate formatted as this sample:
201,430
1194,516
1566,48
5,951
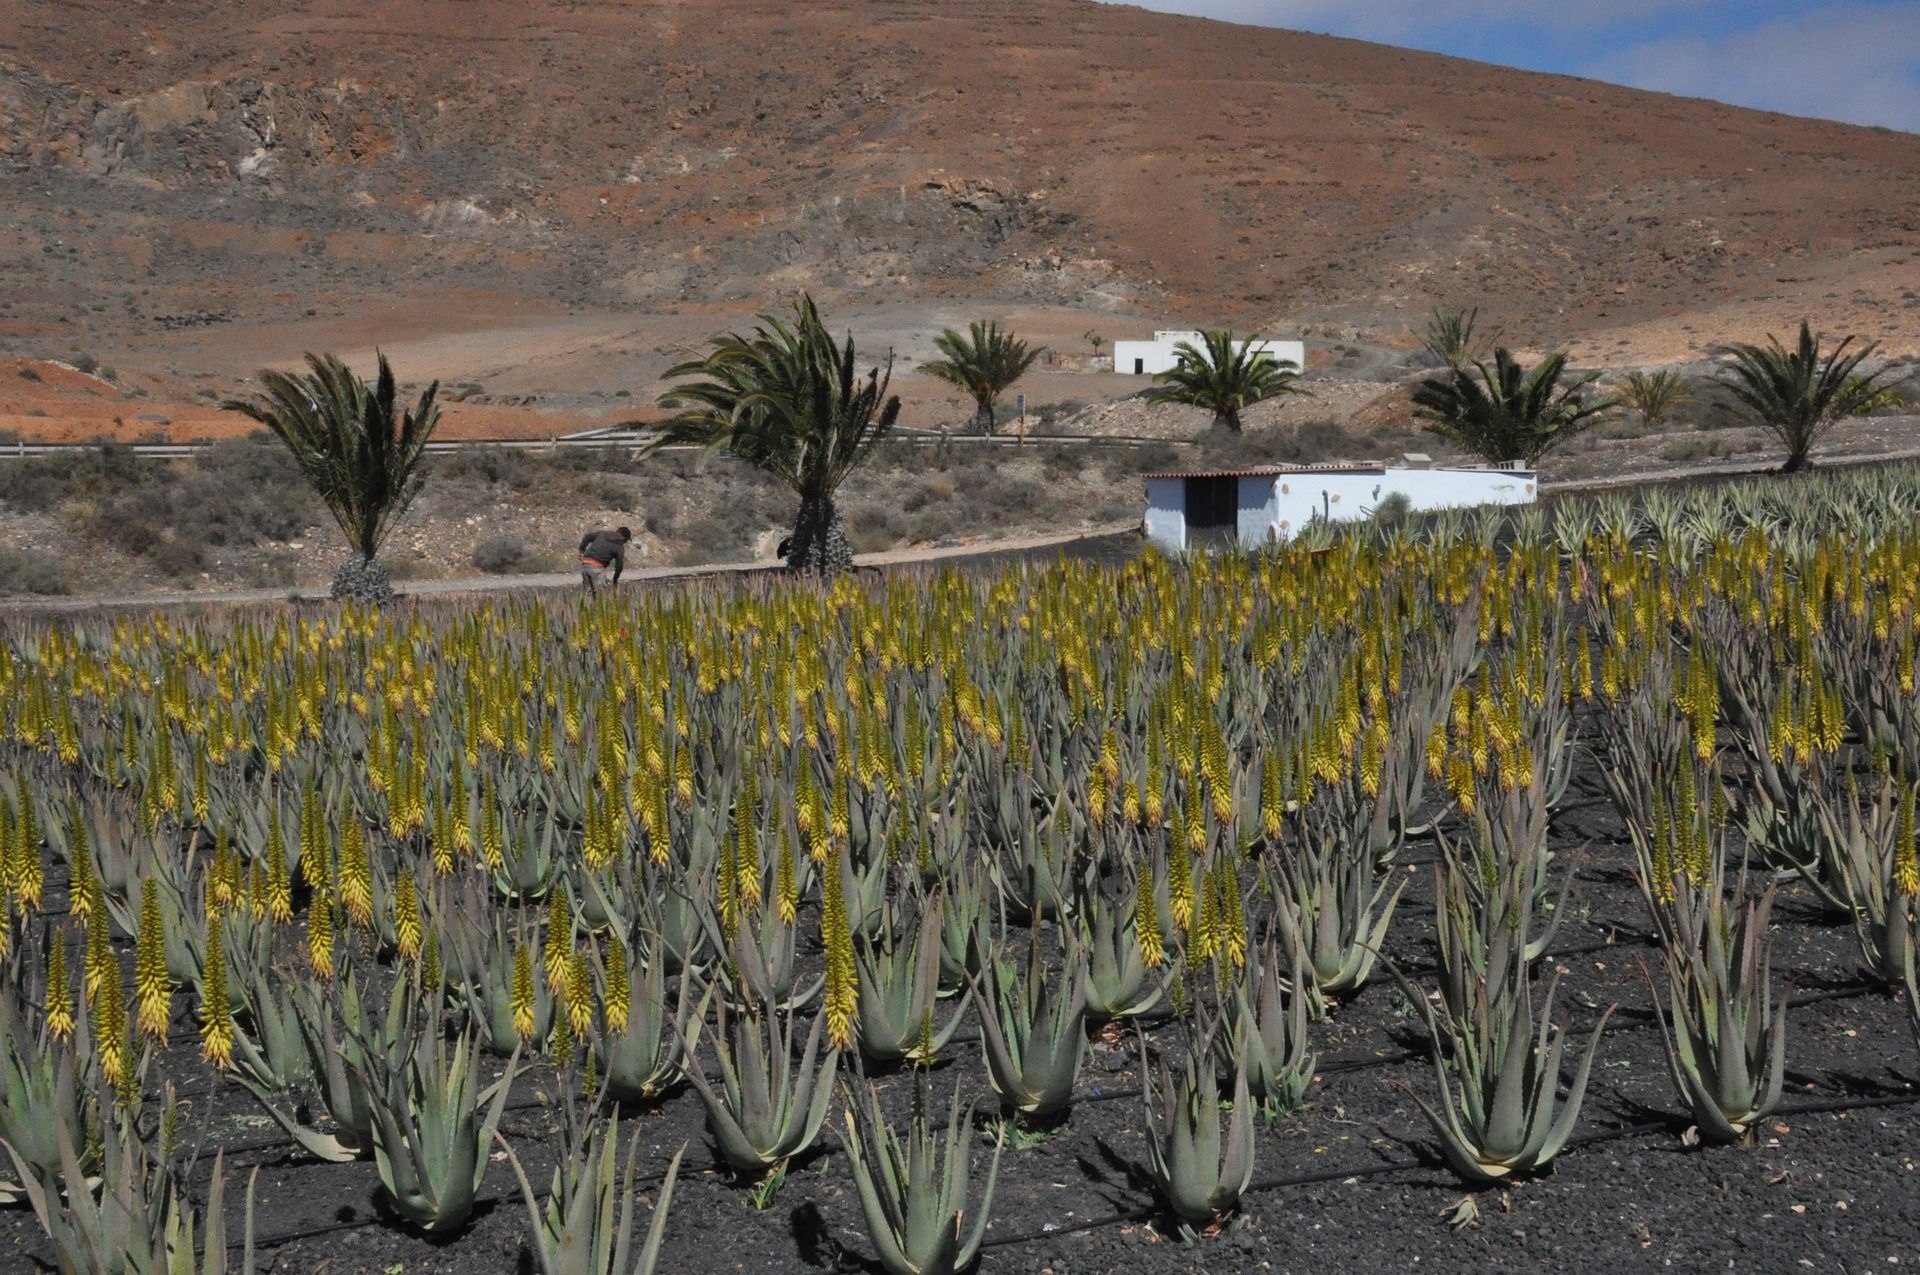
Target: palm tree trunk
1228,417
362,579
983,416
819,540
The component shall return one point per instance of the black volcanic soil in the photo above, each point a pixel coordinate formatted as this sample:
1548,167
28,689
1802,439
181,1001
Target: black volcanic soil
1346,1182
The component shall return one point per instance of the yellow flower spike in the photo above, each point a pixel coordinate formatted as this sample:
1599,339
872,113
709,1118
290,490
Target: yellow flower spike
841,1003
60,1015
356,874
216,1013
1906,852
619,986
521,997
1146,920
153,989
559,942
406,917
320,935
579,996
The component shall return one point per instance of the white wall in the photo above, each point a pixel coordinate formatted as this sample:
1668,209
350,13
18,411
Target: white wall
1428,489
1157,356
1301,496
1275,507
1166,520
1258,510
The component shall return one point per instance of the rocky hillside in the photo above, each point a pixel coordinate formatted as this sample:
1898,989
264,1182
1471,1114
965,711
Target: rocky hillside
177,163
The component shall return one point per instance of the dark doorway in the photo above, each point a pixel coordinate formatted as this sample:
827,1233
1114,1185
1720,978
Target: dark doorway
1139,366
1213,509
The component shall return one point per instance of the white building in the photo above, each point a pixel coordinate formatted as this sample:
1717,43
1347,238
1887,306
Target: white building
1270,504
1150,358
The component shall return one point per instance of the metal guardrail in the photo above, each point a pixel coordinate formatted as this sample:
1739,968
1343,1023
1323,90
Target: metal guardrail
600,440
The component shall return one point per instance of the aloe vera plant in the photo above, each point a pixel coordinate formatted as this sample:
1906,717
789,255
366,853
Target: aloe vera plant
129,1217
1198,1173
1507,1117
770,1105
1486,898
576,1233
1264,1035
432,1124
1874,845
914,1188
899,979
40,1097
1033,1033
1329,905
1119,984
347,1049
637,1046
1726,1039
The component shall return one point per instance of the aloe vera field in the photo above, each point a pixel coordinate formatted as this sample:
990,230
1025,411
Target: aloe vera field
1459,889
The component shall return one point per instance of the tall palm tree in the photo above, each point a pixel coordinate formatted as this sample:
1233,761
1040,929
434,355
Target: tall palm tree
791,402
1226,377
1800,393
1506,413
985,362
357,448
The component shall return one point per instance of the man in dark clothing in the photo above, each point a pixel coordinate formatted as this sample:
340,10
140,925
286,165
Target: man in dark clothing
601,549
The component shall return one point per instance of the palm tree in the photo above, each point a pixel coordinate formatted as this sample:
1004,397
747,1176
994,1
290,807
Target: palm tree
984,362
1800,393
1449,336
357,449
1508,413
789,401
1226,378
1654,394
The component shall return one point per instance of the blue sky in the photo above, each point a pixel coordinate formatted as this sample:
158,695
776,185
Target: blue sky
1853,60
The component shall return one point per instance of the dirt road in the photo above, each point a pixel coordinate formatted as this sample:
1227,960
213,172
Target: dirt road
558,580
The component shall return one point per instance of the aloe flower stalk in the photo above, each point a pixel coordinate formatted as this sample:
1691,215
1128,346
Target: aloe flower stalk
914,1188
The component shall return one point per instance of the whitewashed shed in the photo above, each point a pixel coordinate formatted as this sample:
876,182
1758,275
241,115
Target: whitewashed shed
1269,504
1150,358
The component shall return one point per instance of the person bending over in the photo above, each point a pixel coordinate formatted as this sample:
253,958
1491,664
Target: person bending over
600,550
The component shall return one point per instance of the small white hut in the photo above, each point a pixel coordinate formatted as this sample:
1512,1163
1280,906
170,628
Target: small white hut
1271,503
1150,358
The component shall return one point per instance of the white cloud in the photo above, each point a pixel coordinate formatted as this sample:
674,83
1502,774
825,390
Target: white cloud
1858,63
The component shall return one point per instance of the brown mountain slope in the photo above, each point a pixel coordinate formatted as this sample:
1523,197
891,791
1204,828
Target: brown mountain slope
171,164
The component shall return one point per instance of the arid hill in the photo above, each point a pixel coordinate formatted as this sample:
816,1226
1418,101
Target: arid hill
549,201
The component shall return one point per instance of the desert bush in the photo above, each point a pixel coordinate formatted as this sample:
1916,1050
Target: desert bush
30,571
503,555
